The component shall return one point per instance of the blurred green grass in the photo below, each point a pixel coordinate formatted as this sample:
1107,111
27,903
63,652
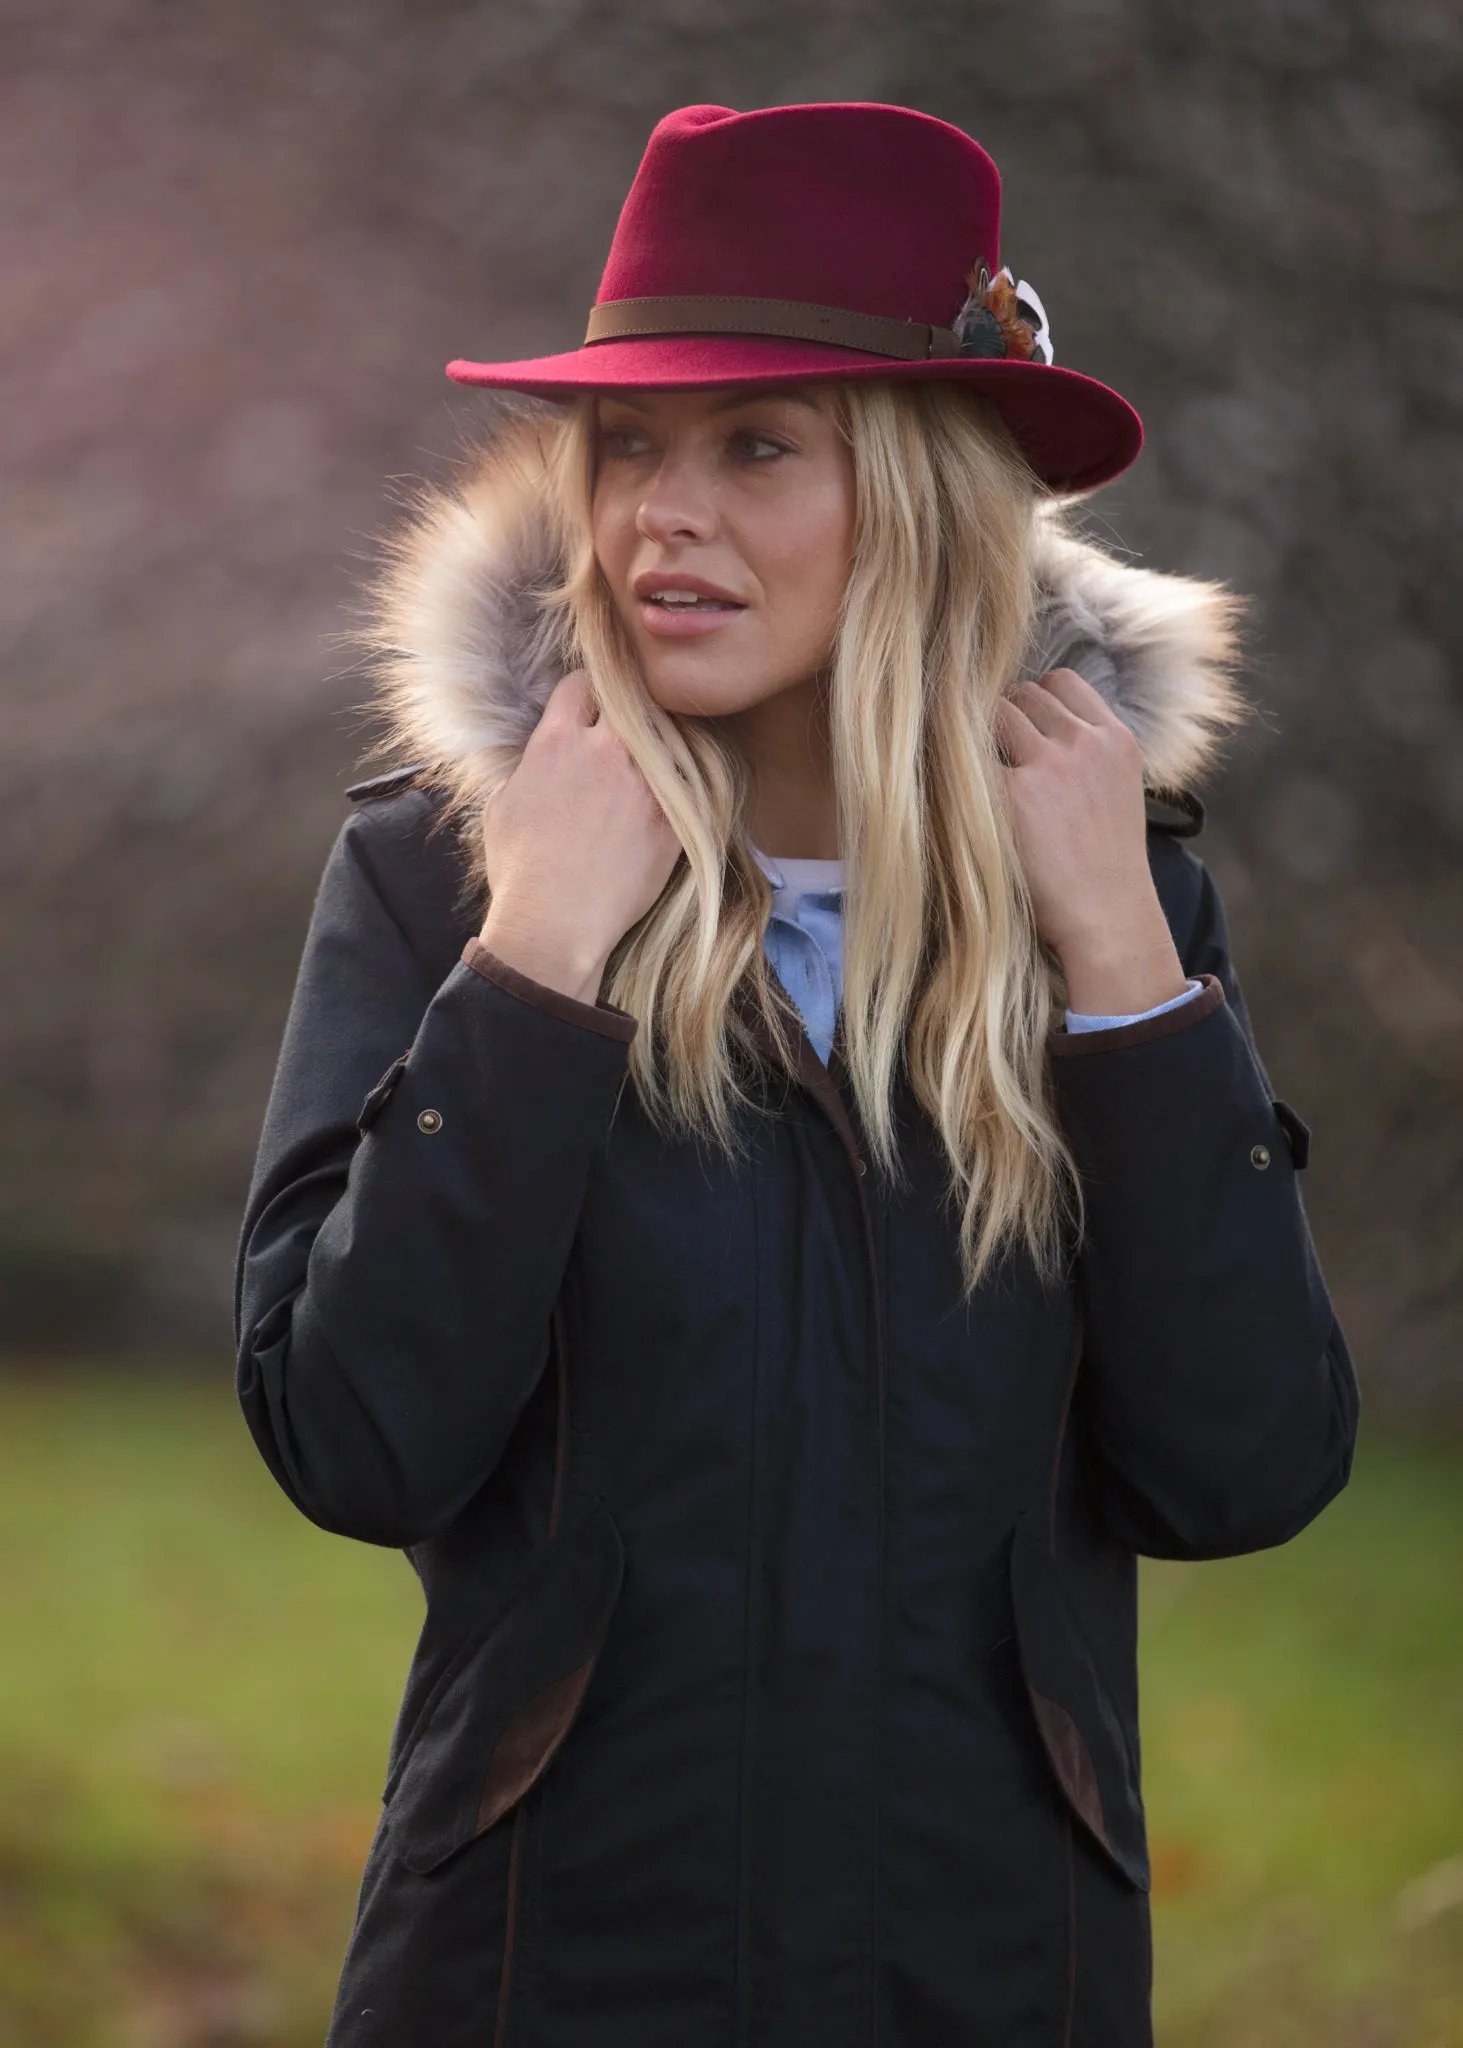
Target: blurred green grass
199,1687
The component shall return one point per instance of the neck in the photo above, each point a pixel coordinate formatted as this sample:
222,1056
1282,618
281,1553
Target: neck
786,744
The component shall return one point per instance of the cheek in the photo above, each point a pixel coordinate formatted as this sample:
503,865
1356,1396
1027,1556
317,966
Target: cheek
612,529
808,560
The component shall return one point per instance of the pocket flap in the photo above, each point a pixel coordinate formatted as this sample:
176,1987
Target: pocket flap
1297,1132
1081,1727
510,1700
378,1097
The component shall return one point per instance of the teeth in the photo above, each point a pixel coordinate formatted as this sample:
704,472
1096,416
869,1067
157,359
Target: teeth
689,601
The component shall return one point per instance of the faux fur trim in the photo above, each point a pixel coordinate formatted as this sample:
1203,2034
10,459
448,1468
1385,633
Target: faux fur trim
1162,649
465,664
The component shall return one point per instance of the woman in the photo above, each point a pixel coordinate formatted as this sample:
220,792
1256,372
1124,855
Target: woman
774,1400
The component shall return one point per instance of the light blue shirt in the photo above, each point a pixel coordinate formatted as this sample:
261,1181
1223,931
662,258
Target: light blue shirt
804,942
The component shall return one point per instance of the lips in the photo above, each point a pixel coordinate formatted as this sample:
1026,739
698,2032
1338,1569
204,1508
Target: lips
676,590
687,621
675,606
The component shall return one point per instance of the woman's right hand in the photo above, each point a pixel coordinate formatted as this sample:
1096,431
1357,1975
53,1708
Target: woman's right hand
577,847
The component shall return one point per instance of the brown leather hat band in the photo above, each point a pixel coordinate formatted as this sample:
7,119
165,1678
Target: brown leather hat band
907,341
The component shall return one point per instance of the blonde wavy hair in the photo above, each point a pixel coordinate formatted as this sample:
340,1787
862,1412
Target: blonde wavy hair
943,968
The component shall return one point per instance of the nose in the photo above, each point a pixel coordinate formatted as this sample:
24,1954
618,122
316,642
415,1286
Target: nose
678,503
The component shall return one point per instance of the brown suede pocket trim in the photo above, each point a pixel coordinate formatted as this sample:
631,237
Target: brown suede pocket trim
527,1745
1072,1760
1066,1044
606,1018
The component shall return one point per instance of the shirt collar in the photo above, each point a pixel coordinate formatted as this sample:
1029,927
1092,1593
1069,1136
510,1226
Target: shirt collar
769,867
773,872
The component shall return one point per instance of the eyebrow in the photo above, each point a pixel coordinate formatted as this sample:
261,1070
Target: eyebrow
744,395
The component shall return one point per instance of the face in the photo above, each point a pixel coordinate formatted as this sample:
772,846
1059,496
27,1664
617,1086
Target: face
741,502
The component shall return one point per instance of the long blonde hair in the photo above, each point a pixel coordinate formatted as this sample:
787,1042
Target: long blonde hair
943,968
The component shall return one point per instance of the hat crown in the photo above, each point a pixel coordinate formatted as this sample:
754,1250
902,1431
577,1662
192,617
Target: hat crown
877,209
832,242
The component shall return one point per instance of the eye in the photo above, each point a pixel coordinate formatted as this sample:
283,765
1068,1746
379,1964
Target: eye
620,441
748,444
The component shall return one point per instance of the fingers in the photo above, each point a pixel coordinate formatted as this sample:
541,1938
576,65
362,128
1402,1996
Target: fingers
1047,714
1056,707
572,699
1079,696
1017,737
1059,699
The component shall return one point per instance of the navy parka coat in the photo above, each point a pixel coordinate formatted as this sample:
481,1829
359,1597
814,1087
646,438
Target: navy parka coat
777,1683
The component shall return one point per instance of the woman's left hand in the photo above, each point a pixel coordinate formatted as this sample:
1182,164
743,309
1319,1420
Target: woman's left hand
1075,781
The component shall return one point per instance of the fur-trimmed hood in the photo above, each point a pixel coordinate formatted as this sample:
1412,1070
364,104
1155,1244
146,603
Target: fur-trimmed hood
465,664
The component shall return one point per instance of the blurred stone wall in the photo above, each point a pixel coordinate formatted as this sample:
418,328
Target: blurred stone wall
241,242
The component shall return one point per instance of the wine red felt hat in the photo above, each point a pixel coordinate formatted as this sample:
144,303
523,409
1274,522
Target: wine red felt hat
820,243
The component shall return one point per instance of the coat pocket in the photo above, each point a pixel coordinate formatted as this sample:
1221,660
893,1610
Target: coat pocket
1082,1729
505,1705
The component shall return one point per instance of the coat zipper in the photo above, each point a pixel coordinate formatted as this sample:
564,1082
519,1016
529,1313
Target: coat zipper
823,1085
837,1110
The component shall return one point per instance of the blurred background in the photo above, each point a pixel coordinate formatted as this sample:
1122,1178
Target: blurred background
239,245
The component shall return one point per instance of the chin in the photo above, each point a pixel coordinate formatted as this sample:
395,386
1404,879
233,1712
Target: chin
699,688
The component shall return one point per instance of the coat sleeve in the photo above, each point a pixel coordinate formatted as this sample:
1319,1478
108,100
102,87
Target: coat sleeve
403,1244
1216,1401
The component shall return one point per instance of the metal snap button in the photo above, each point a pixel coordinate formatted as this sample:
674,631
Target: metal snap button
430,1121
1259,1155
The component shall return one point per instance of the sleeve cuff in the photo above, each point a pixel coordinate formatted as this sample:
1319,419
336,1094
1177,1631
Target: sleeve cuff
1078,1020
1184,1011
606,1018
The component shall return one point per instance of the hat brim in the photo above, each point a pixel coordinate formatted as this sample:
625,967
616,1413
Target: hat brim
1075,432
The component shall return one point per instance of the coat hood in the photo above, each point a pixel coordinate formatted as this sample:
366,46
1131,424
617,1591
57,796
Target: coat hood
466,662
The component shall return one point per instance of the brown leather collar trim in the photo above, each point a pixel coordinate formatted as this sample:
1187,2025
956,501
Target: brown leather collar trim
907,341
821,1082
